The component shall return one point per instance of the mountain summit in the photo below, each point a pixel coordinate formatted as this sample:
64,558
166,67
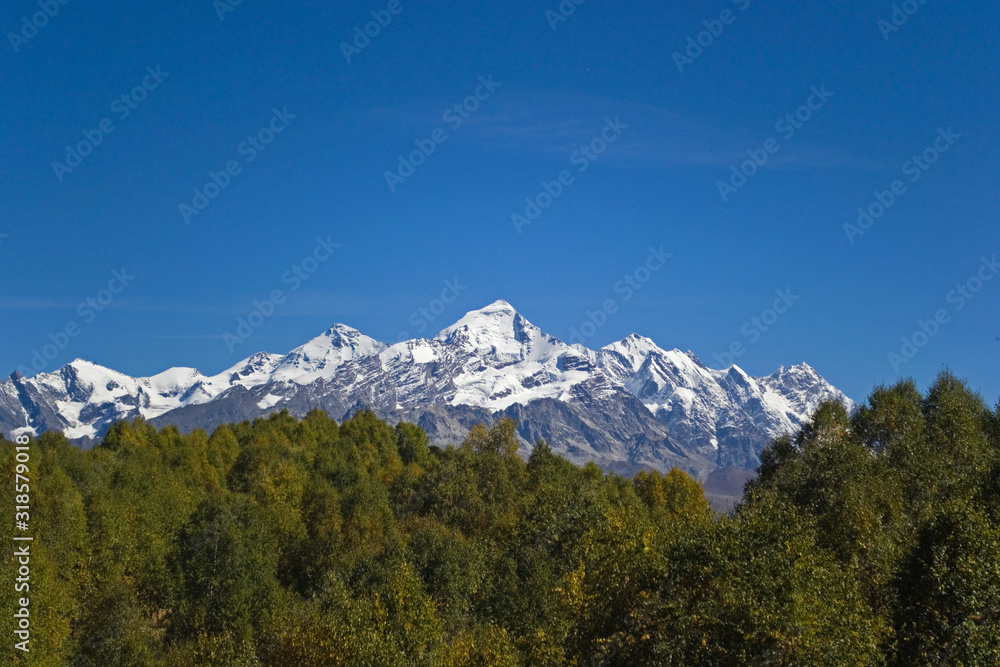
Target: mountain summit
628,405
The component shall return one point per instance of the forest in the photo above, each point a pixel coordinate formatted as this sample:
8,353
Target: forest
870,538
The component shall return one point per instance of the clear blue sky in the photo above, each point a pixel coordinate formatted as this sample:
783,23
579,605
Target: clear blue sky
323,176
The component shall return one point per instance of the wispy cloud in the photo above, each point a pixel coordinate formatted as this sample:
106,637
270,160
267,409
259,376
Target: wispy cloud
556,123
176,336
8,303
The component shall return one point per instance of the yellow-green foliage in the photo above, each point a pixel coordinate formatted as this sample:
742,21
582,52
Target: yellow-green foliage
867,539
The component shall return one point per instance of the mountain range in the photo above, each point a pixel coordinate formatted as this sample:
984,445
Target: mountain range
627,406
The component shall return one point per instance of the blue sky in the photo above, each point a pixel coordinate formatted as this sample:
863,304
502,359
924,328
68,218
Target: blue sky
678,132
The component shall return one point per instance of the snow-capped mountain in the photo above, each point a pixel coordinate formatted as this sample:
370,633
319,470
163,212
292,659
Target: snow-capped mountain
628,405
725,413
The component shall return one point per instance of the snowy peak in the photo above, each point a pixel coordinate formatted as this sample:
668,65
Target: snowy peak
803,389
498,334
637,358
254,370
85,381
322,356
800,372
632,351
496,319
500,305
497,359
715,411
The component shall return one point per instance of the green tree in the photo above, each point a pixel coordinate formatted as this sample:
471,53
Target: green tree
949,612
412,443
227,561
676,494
